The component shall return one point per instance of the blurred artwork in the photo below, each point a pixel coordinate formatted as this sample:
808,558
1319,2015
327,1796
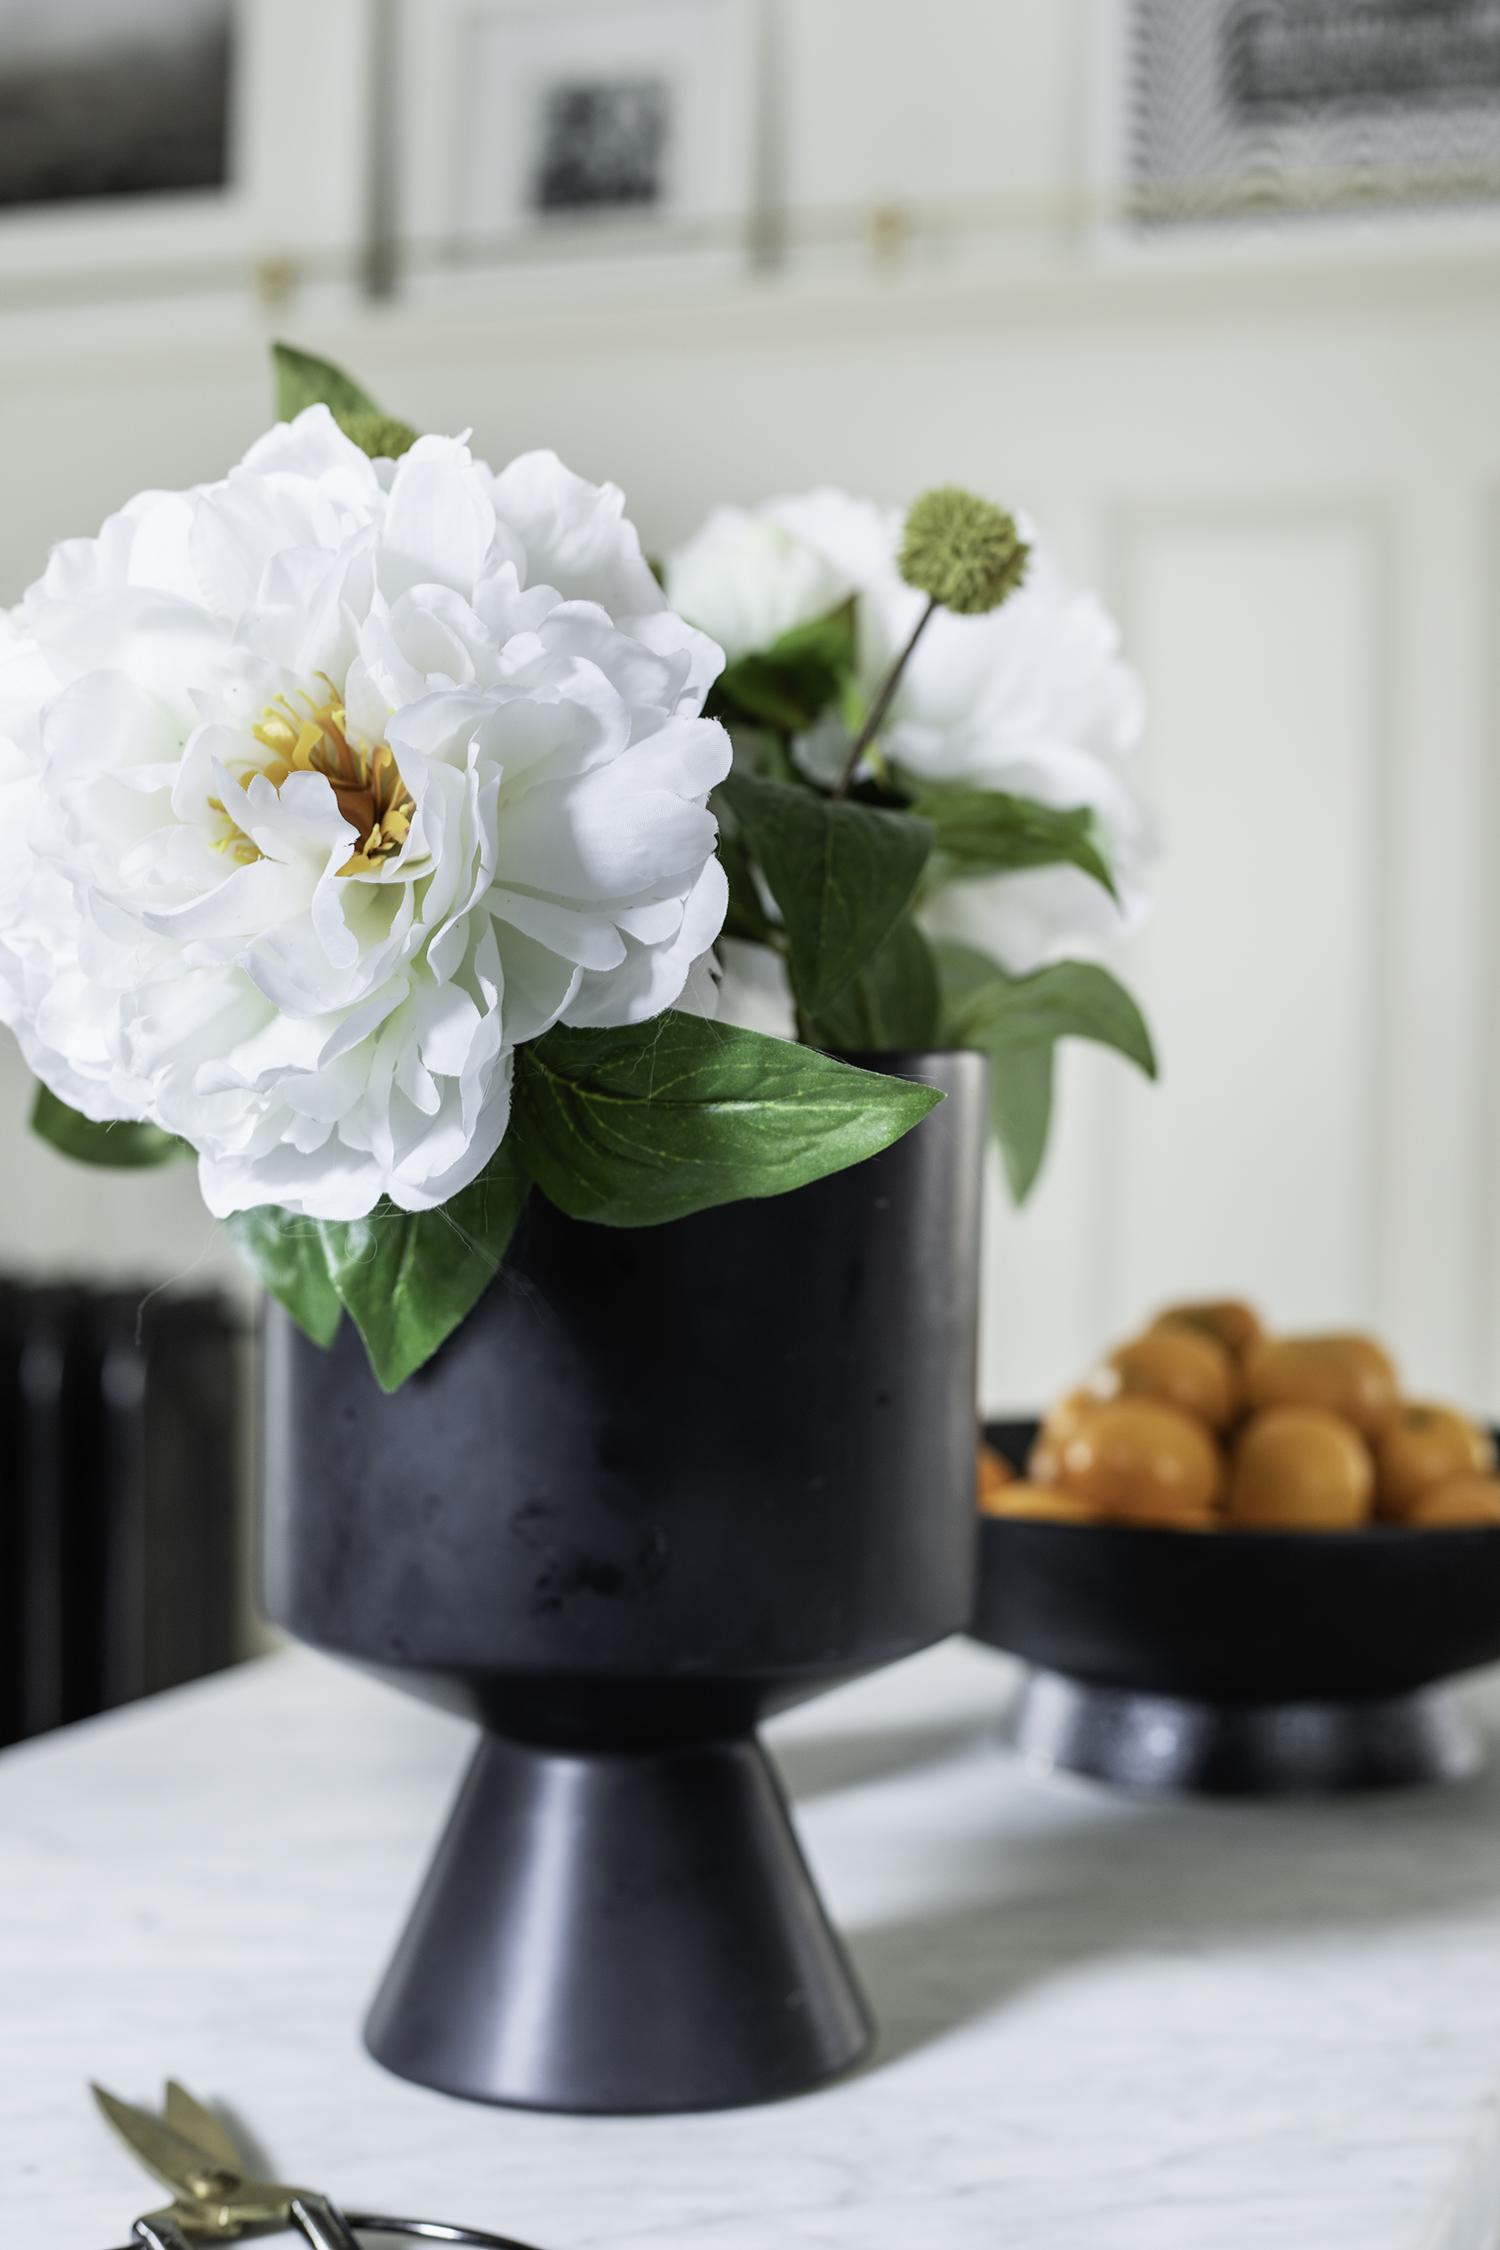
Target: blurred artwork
604,145
1360,54
112,98
600,125
1253,107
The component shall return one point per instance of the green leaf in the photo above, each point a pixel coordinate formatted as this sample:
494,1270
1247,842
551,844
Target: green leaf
841,873
791,684
302,380
634,1126
965,976
381,437
986,832
1017,1021
285,1253
983,1007
118,1143
406,1278
1021,1111
892,1002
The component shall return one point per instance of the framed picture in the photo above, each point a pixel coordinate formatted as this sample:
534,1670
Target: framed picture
594,124
135,103
1233,109
152,146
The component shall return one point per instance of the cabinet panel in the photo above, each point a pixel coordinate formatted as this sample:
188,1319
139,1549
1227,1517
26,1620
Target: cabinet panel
1252,1165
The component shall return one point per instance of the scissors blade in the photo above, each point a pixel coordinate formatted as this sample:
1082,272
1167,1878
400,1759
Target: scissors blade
197,2124
168,2155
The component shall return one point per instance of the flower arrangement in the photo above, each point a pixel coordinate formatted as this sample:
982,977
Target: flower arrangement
928,730
364,845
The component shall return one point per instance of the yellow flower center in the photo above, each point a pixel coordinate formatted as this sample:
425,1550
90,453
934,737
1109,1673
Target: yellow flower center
371,794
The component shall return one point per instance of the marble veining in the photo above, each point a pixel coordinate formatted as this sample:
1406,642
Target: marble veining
1108,2024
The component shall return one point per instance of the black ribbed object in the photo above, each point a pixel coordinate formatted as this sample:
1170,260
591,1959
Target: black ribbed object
661,1482
119,1498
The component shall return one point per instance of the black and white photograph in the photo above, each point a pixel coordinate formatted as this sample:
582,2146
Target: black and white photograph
589,115
113,98
606,145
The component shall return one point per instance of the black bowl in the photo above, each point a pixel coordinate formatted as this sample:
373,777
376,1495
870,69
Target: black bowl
1246,1616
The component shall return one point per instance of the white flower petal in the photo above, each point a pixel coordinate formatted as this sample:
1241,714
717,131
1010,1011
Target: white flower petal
438,521
593,941
746,579
240,527
652,977
314,447
536,981
577,536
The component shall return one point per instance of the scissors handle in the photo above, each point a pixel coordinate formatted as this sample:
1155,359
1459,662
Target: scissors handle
165,2234
322,2222
433,2230
160,2232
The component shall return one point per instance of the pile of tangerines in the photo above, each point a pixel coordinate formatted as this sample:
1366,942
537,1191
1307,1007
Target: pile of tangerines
1206,1423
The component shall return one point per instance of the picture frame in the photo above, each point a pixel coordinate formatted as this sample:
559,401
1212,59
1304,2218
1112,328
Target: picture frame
291,206
1249,114
579,128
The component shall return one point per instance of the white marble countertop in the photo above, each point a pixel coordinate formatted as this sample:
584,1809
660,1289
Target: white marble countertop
1108,2024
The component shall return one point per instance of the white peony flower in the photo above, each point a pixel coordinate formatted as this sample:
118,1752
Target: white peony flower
327,785
746,581
1032,699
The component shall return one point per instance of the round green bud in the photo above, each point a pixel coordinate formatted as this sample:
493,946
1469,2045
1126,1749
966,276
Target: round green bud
962,551
382,436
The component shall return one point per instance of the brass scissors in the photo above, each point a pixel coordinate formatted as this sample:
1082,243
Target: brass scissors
217,2198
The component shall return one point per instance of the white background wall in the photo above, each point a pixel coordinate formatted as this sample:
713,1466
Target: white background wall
1279,458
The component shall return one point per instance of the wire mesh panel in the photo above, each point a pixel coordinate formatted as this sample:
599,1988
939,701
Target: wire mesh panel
1246,107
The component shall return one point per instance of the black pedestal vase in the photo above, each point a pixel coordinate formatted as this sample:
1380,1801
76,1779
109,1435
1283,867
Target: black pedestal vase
661,1482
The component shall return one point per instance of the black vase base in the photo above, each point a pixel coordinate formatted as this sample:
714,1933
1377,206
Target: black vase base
1178,1744
616,1932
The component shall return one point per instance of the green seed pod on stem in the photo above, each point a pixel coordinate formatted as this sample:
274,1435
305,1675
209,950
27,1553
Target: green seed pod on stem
965,554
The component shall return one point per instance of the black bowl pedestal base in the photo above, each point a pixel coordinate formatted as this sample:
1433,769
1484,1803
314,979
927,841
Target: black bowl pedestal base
1172,1743
619,1930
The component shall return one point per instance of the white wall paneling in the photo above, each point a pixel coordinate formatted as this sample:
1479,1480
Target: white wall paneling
1483,1231
1254,1164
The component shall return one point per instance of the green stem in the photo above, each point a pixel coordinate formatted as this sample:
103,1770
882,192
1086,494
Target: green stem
882,703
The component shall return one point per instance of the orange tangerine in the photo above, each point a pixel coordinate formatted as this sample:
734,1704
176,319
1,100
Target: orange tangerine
1426,1445
1140,1459
1300,1468
1184,1366
1346,1375
1068,1414
1228,1320
1044,1503
995,1474
1470,1499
